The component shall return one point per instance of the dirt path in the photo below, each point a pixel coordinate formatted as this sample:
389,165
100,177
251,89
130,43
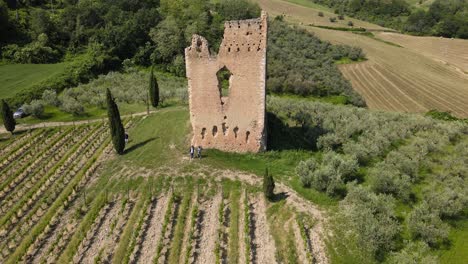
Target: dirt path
153,233
209,231
23,127
263,242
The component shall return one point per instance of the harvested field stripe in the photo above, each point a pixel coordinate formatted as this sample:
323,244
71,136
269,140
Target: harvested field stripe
379,88
382,84
434,94
366,90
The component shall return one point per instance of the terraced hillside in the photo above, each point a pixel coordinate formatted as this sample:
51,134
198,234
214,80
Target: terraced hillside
416,77
66,198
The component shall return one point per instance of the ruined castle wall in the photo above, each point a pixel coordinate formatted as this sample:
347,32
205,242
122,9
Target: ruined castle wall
236,122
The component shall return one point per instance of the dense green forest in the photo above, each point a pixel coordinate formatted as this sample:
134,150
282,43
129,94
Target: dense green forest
96,37
447,18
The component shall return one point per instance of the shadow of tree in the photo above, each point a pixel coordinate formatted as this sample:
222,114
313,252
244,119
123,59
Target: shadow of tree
281,136
279,197
138,145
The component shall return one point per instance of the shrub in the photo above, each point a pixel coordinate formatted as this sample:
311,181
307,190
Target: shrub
50,97
305,170
424,222
330,175
70,105
333,19
414,252
370,218
449,197
350,23
320,14
385,178
34,108
340,17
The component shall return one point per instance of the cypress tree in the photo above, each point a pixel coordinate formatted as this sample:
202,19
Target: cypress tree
7,116
268,185
153,89
115,124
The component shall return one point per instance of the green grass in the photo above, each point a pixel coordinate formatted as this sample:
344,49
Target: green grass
332,99
456,253
234,200
278,214
157,139
372,36
347,60
17,77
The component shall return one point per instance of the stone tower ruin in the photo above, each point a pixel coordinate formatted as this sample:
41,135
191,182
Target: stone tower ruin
235,122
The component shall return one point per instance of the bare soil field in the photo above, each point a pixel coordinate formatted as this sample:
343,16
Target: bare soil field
422,75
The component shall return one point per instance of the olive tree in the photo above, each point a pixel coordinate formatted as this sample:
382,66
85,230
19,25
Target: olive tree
425,223
371,219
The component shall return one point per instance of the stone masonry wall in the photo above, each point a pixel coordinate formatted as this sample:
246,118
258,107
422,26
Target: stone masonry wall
236,122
